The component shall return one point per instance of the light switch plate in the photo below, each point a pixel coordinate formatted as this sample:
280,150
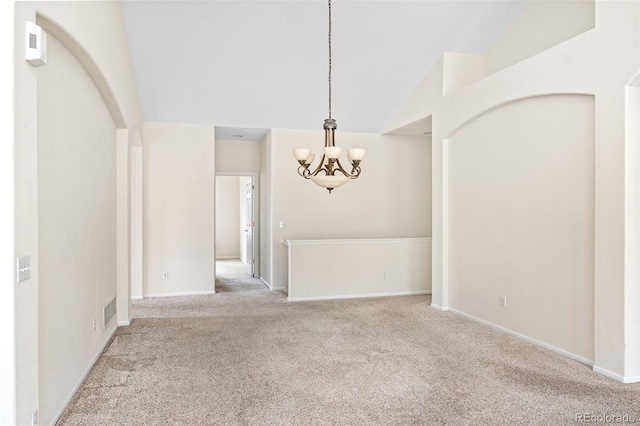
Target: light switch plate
23,268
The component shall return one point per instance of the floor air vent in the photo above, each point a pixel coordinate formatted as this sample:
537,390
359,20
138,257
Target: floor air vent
109,311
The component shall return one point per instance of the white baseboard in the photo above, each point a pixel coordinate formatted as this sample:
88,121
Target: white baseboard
616,376
192,293
137,297
358,296
438,307
123,323
523,337
227,257
266,283
84,376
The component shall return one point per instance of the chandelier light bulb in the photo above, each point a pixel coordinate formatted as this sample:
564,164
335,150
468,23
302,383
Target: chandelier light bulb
355,154
301,154
310,159
332,152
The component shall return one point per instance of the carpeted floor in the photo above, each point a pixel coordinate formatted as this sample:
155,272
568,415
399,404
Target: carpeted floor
245,356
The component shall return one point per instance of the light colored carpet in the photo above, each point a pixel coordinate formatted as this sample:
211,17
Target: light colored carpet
251,358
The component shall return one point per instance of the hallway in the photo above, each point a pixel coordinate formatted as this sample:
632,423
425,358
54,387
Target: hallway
231,276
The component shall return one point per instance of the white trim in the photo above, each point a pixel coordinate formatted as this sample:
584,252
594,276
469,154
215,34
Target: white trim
440,308
192,293
227,257
124,323
137,297
330,242
278,288
523,337
84,376
358,296
616,376
266,283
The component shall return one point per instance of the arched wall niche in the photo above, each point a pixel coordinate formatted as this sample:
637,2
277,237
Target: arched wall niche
519,188
81,54
505,103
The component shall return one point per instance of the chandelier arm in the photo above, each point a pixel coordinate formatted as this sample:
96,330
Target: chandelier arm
320,167
303,170
351,175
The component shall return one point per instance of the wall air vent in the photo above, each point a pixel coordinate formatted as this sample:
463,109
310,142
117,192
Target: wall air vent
36,44
109,312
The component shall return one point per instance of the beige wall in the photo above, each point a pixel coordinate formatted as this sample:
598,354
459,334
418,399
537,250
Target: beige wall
423,100
227,217
77,225
521,221
97,36
391,199
266,207
360,268
7,195
123,229
137,235
94,31
598,62
527,35
237,156
632,226
179,215
460,70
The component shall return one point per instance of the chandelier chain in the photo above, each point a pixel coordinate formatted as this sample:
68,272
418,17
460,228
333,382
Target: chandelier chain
329,1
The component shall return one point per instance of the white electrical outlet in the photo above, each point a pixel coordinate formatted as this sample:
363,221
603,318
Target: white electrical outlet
34,418
165,275
384,275
94,324
503,301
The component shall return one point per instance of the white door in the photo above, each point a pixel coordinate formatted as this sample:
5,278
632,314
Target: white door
248,229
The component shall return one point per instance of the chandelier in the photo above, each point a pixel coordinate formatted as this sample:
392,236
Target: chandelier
324,174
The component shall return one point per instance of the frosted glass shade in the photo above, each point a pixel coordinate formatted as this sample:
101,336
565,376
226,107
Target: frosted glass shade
329,181
301,154
356,154
332,151
312,157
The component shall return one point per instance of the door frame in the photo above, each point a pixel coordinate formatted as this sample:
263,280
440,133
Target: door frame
255,199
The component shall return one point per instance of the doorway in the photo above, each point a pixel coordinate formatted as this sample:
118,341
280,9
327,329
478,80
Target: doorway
237,245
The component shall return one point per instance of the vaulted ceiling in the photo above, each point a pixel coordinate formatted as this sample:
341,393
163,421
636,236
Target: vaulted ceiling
263,64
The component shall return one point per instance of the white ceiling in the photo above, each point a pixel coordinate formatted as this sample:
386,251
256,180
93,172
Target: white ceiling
263,64
240,133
